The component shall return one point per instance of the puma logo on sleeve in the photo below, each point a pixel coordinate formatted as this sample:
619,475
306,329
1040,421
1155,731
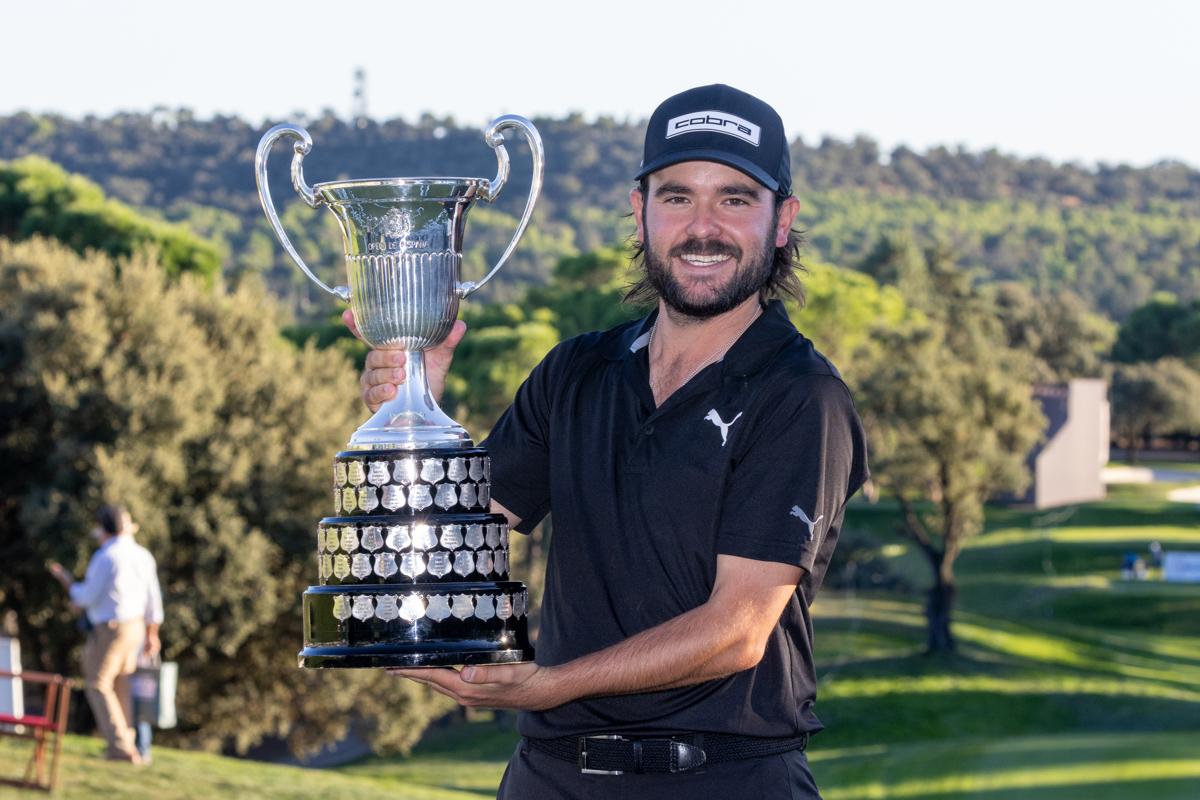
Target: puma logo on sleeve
715,419
797,511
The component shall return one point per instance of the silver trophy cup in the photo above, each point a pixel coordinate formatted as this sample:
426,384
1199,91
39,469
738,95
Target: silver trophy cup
403,244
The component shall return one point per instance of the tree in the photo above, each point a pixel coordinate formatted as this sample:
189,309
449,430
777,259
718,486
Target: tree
1057,329
38,198
185,404
950,415
1154,397
1161,328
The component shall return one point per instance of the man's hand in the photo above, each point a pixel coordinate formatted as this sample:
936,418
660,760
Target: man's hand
152,646
60,574
385,368
525,687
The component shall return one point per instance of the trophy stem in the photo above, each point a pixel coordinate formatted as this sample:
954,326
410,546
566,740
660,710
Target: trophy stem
412,419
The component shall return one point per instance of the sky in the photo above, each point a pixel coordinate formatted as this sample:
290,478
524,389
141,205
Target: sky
1088,82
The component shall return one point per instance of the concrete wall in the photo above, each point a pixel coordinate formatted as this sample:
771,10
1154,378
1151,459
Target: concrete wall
1067,467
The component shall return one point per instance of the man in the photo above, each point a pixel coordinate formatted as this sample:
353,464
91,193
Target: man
122,601
697,463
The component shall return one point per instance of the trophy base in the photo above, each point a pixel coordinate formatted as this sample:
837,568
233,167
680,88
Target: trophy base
381,625
375,656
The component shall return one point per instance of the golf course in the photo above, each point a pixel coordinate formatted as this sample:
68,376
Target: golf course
1069,682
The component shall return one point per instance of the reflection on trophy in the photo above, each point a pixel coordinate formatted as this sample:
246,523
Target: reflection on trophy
413,568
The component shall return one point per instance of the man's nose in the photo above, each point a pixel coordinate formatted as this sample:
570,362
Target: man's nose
703,224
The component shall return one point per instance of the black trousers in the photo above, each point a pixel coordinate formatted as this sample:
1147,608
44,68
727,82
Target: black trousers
534,775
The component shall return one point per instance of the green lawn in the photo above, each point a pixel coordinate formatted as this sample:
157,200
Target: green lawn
1069,684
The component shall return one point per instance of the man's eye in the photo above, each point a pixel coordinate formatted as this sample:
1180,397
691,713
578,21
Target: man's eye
736,201
677,200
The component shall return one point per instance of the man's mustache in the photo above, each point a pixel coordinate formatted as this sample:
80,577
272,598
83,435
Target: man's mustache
707,247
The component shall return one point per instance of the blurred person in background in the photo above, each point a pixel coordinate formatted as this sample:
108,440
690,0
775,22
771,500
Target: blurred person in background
122,610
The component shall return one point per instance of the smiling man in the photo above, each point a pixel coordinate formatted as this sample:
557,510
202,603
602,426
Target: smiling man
697,463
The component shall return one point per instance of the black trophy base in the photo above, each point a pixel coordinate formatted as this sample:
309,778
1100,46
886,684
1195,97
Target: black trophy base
386,655
439,625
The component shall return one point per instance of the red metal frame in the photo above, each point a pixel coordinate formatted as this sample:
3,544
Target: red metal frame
49,727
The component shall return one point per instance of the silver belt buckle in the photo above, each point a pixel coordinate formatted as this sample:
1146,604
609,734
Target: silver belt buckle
583,767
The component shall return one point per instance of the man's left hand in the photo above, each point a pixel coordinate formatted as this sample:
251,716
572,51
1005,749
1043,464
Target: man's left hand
525,687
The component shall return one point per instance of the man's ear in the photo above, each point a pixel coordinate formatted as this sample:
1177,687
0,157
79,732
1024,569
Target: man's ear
637,202
788,210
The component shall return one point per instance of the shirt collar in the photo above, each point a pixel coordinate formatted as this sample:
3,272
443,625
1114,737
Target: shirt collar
750,353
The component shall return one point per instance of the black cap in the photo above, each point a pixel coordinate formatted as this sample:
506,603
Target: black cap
722,124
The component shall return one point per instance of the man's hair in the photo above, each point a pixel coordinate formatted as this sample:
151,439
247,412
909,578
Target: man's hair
111,518
785,266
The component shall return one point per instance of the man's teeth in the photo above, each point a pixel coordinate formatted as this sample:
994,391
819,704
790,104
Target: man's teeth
696,259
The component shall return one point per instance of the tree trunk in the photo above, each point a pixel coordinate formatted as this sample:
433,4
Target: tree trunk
938,610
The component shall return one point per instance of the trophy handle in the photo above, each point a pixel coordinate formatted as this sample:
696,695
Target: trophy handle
495,140
301,148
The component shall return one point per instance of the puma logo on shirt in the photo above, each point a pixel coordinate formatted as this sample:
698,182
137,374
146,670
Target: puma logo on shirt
715,419
797,511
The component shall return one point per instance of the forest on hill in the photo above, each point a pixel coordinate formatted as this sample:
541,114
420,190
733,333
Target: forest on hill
1114,234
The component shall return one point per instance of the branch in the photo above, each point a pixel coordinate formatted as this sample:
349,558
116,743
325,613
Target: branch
915,530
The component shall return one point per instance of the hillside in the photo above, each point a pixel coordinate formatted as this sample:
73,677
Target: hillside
1113,234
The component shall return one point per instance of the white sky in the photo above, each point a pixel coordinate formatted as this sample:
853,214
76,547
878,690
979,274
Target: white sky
1083,81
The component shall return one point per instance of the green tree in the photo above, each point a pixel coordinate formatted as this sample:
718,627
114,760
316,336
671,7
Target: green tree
186,404
1064,337
39,198
1151,398
1161,328
950,415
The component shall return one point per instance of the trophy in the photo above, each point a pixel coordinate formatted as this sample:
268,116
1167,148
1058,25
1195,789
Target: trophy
412,567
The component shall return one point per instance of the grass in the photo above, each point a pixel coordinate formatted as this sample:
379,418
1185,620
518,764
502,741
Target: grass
1069,684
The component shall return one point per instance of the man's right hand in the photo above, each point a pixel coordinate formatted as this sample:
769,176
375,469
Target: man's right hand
385,368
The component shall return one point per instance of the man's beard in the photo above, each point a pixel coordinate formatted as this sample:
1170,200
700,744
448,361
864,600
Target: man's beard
748,278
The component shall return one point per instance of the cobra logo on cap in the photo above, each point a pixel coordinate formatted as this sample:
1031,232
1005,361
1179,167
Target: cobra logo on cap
718,121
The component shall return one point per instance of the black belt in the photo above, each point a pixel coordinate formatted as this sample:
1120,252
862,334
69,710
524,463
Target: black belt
617,754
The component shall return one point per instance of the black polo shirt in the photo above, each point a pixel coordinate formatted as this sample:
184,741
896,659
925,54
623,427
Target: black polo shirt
755,457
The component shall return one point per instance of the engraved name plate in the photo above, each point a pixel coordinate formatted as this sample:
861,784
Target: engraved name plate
363,609
485,607
452,537
432,470
446,496
467,495
393,497
504,606
419,497
372,538
412,564
355,473
439,607
385,565
424,537
339,474
439,564
398,538
456,470
461,606
413,608
360,565
405,470
341,607
385,607
378,473
474,537
464,563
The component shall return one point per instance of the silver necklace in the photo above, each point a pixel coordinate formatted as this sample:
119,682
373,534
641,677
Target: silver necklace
717,355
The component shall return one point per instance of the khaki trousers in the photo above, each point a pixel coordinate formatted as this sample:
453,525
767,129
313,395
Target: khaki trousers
109,658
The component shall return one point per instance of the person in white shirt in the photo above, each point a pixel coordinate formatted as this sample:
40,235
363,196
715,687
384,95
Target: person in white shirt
122,601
